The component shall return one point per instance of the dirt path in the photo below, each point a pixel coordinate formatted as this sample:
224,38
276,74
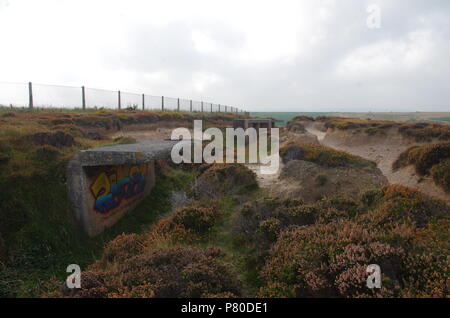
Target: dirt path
265,180
319,134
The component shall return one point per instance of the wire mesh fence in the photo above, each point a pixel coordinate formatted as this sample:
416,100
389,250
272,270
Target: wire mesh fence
13,94
70,97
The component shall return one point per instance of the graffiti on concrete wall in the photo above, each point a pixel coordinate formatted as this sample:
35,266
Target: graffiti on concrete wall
112,187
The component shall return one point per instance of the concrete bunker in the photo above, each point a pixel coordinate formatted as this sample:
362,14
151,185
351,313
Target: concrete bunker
105,183
256,123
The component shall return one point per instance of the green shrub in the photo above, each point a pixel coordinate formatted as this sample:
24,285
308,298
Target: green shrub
430,159
197,218
321,155
441,174
121,248
225,179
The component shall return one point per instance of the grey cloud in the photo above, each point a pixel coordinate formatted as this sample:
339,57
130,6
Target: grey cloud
309,81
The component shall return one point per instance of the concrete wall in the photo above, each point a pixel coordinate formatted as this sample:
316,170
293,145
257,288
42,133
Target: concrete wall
106,182
101,195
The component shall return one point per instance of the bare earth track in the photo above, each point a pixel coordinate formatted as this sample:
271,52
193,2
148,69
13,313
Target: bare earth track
383,150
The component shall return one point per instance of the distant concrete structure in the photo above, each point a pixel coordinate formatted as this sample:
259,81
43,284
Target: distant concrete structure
256,123
105,183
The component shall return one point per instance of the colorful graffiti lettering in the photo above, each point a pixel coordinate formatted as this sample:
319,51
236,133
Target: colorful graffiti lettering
116,185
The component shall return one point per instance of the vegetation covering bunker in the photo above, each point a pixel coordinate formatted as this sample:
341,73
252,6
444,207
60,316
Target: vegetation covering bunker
104,183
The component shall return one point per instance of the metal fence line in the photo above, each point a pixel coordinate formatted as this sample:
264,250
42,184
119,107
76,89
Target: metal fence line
34,95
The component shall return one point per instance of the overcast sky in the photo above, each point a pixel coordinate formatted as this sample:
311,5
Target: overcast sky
281,55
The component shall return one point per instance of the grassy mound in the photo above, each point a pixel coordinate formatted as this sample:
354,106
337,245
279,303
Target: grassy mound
225,179
36,224
420,132
401,230
441,174
322,156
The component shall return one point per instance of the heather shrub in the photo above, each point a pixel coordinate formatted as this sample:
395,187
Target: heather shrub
197,217
93,285
350,268
121,248
166,233
404,232
425,131
323,156
269,228
441,174
258,224
173,272
225,179
400,204
423,157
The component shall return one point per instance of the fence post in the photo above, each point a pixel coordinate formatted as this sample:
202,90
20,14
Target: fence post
83,98
143,101
30,95
118,100
178,104
190,105
202,107
162,102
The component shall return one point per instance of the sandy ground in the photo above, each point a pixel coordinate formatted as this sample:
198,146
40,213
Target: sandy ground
265,180
384,151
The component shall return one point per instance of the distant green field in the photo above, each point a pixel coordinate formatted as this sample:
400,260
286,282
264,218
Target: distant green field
441,119
285,116
402,117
